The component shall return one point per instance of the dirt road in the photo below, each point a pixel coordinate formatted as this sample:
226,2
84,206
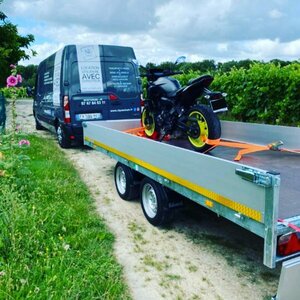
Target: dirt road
199,256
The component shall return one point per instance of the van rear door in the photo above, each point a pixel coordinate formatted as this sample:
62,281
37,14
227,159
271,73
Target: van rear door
122,86
101,87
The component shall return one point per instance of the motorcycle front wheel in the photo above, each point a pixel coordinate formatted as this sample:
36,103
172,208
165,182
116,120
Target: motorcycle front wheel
148,122
203,125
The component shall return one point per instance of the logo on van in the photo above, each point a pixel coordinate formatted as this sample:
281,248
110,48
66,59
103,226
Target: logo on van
88,52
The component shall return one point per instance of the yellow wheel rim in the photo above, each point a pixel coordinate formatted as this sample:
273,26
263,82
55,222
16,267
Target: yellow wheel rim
149,128
199,141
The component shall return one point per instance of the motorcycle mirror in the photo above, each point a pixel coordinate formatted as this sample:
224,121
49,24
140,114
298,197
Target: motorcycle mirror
180,60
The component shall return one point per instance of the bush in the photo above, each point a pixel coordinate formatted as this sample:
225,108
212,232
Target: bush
265,93
21,92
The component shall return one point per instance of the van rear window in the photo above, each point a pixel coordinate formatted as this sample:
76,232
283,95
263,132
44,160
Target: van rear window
121,79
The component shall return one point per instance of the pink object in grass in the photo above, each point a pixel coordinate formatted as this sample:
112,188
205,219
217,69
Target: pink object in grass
23,143
19,78
13,66
11,81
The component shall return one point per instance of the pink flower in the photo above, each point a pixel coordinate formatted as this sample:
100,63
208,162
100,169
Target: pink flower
19,78
12,66
24,143
11,81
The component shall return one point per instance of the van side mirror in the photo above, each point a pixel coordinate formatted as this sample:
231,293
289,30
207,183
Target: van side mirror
66,83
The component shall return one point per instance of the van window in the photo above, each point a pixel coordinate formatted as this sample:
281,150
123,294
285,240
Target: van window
121,79
45,82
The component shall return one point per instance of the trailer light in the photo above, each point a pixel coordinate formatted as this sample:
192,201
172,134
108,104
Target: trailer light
67,110
113,97
72,137
288,244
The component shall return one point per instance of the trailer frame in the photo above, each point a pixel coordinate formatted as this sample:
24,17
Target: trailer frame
249,196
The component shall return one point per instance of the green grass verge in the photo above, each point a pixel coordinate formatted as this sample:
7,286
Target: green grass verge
53,245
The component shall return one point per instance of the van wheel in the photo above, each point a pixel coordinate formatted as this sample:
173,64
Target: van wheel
38,125
61,137
155,202
124,181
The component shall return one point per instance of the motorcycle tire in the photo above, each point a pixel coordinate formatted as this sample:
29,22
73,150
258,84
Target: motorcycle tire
148,122
205,125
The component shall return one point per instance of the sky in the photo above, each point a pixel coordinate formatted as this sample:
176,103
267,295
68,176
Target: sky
162,30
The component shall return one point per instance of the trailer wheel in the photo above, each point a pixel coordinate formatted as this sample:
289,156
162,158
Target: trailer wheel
124,181
154,201
61,137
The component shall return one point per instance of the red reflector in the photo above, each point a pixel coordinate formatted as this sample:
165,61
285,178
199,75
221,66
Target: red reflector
288,244
67,110
112,97
72,137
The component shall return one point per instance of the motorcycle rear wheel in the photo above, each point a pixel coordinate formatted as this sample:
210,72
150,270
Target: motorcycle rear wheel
148,122
204,125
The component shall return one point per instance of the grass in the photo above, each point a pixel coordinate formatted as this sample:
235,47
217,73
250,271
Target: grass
53,245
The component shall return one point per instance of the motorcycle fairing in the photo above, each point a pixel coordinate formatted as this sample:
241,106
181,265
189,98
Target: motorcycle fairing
187,95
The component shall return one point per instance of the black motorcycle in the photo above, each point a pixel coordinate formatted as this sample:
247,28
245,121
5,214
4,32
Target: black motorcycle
171,110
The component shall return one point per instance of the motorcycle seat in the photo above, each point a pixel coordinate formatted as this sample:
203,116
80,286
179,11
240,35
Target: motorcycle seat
204,79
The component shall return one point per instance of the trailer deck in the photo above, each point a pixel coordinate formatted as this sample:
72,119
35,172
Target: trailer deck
245,192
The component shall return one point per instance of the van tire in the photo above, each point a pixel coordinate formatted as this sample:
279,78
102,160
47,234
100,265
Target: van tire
38,125
61,137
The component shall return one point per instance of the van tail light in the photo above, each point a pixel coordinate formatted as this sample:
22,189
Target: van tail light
67,109
113,97
288,244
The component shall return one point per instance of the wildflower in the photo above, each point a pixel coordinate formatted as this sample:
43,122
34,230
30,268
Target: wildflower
24,143
11,81
13,66
19,78
66,246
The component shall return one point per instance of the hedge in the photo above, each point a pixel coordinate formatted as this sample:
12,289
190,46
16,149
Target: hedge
264,93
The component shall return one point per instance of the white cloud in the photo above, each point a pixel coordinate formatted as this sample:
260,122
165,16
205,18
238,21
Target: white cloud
275,14
161,30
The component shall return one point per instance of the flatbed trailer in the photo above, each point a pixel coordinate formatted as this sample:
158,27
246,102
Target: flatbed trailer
261,192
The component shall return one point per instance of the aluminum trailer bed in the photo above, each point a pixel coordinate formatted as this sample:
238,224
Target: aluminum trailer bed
254,193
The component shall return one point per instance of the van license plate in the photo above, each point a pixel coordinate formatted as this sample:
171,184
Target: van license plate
81,117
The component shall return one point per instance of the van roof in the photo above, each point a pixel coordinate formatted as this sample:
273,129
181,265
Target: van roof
105,51
113,50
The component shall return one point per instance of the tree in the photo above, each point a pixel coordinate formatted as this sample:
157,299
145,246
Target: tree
28,74
12,46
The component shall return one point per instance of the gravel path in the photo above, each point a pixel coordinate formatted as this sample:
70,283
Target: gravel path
199,256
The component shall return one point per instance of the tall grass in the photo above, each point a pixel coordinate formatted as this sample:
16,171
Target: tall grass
52,243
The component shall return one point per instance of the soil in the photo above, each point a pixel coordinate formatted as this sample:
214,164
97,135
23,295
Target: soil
198,256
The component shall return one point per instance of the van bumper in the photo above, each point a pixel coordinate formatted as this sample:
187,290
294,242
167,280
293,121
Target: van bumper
74,133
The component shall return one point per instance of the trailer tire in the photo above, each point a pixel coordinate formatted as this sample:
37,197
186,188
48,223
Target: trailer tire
125,182
154,202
